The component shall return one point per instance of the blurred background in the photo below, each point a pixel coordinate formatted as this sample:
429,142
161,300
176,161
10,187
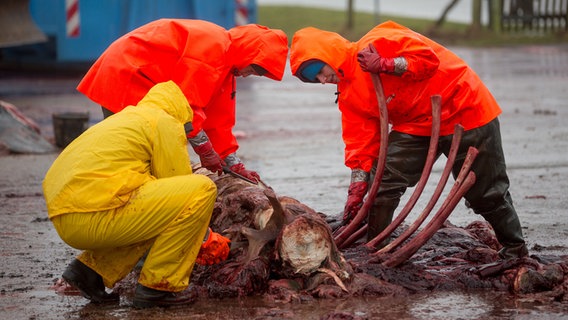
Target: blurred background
290,132
76,32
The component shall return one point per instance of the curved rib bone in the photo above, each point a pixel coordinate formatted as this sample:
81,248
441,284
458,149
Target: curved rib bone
458,131
430,159
355,236
384,122
461,186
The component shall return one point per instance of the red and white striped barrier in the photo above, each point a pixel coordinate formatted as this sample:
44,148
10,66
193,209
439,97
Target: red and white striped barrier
241,12
73,21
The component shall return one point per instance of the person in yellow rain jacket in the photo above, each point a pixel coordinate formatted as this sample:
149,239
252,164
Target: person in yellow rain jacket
125,188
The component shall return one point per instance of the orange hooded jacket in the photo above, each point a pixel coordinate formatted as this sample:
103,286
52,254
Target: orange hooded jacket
199,57
432,69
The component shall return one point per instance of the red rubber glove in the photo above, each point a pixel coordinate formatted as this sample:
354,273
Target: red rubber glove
249,174
355,195
370,61
214,250
209,158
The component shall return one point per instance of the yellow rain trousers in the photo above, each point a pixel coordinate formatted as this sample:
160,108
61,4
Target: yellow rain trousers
125,187
168,216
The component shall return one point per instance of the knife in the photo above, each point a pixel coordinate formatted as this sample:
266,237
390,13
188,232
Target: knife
236,175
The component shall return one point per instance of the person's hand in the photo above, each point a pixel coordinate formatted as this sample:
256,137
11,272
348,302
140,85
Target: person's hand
370,61
355,195
214,250
249,174
209,158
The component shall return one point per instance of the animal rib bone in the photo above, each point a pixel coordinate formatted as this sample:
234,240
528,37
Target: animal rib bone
384,122
458,131
430,159
463,183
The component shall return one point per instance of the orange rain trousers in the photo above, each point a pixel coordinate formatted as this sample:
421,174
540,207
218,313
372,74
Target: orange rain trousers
168,216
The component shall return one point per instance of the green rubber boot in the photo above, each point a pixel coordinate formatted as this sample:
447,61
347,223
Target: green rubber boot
507,227
380,216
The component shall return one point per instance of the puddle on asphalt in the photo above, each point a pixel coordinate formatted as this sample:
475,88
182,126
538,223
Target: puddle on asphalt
439,305
452,306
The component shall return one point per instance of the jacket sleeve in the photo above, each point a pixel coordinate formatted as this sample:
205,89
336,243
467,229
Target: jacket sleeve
169,155
199,118
361,134
221,117
422,61
211,89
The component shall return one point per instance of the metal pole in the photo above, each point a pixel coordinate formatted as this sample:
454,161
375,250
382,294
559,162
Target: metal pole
377,21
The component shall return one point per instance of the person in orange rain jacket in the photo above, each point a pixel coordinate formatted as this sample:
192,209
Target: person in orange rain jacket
203,59
412,69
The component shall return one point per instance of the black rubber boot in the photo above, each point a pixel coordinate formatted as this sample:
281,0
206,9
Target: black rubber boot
507,227
145,297
380,216
88,282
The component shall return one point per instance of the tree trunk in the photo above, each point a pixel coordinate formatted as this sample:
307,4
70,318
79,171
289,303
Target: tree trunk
350,16
476,17
495,15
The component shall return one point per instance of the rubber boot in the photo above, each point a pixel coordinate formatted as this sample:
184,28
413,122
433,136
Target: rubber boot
145,297
88,282
380,216
507,227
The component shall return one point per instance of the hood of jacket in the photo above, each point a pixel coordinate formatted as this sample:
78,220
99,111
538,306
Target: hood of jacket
168,97
311,43
256,44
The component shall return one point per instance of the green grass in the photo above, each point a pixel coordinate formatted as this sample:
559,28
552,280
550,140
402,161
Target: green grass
292,18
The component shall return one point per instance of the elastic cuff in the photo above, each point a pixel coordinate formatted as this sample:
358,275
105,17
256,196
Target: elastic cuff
199,139
400,65
232,159
358,175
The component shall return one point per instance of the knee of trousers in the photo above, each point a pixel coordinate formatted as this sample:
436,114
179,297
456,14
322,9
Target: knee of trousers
386,202
395,182
389,195
490,203
201,196
206,190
